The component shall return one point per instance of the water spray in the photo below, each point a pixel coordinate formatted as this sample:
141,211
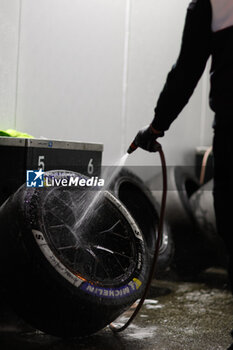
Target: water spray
157,148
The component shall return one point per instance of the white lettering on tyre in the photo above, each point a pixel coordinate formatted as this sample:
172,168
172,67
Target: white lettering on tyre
52,259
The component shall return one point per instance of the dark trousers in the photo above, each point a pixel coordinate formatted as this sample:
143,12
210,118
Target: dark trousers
223,188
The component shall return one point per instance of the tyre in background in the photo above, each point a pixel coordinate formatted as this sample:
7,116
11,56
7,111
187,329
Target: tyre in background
137,198
202,205
190,256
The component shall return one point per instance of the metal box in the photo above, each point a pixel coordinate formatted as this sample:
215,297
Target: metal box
19,154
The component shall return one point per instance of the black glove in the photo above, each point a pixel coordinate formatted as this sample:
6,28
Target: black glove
145,139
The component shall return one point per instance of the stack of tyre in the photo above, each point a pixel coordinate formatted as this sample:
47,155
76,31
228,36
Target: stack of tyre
190,241
202,206
190,215
189,252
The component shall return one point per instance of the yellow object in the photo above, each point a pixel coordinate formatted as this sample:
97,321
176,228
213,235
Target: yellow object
137,282
14,133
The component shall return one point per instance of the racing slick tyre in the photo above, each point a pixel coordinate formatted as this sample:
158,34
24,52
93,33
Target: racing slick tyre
71,259
190,255
137,198
202,205
181,184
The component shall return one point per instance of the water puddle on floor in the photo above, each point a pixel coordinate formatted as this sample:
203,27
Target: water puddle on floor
177,315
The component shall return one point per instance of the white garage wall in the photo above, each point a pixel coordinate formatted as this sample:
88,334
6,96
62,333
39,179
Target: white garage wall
70,72
156,31
9,30
91,70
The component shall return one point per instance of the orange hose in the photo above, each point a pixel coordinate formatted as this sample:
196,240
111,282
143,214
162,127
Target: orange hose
203,166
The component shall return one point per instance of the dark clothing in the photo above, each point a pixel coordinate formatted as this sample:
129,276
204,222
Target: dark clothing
221,78
223,189
199,41
208,32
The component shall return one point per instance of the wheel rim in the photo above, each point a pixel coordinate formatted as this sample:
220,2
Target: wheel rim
100,250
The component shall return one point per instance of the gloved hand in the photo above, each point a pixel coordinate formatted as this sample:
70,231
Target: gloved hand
145,139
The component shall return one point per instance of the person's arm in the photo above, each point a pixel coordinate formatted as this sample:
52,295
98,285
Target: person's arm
185,74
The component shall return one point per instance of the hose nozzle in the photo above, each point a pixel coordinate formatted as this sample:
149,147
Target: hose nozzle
132,148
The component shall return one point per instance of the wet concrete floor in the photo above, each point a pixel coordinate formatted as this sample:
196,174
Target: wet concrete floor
177,315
